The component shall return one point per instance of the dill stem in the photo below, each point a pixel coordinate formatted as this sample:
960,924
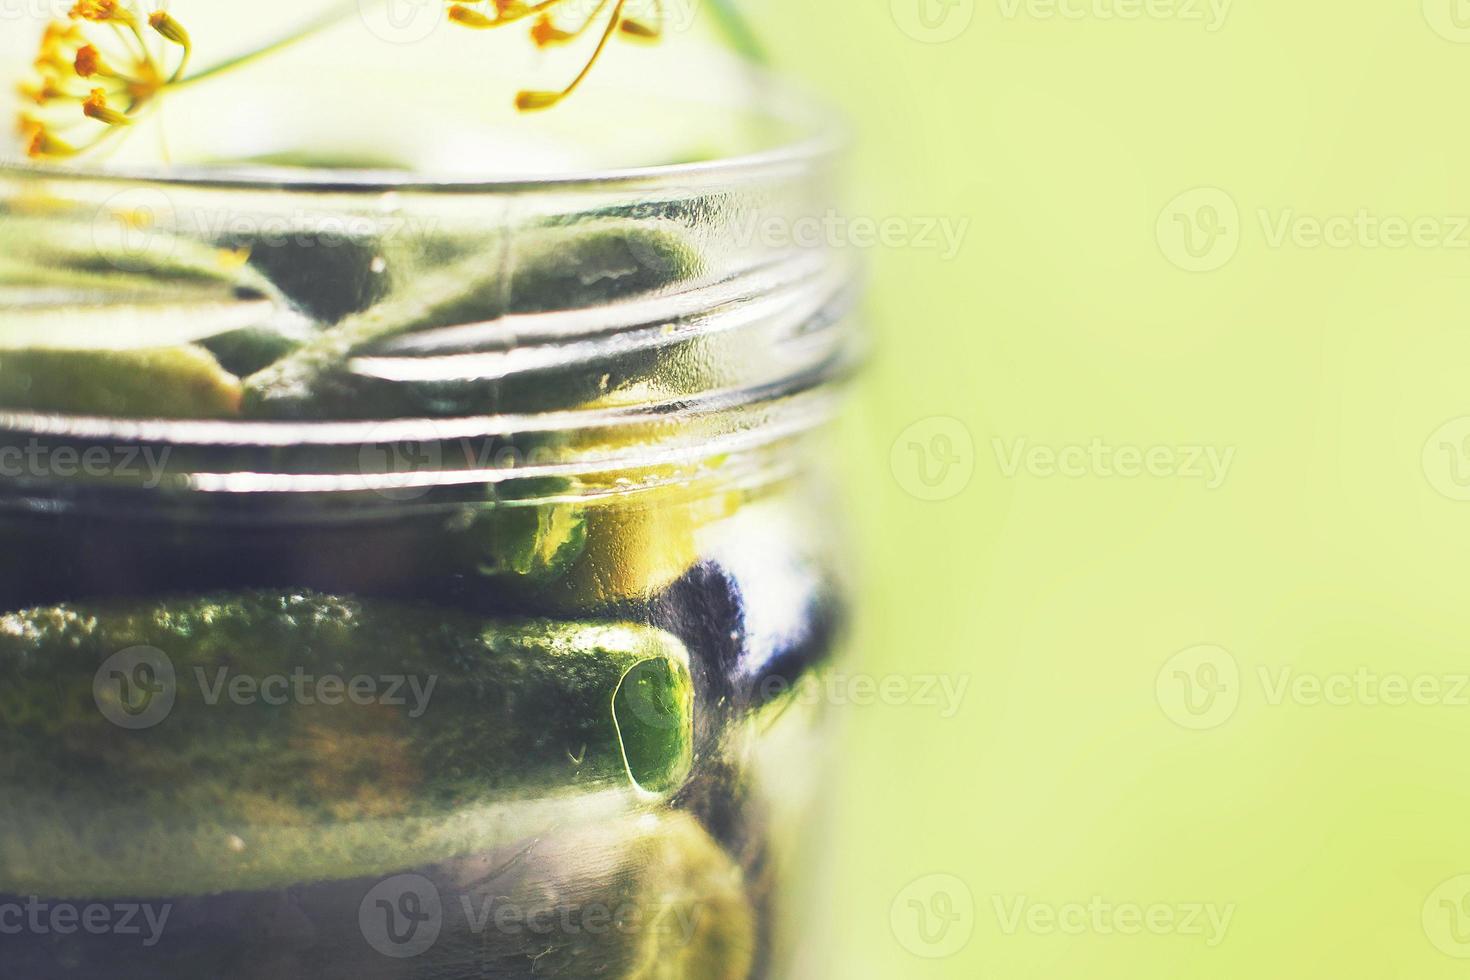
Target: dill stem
738,31
330,19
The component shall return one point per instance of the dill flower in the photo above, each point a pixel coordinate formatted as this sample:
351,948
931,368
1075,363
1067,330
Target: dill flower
106,63
549,29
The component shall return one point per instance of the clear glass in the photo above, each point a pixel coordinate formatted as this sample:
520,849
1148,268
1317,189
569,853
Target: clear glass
408,577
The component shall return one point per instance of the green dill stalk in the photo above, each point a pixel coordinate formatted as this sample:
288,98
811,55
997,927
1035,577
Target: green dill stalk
738,31
324,22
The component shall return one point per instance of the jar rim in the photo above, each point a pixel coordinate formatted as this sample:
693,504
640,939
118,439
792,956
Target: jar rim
821,137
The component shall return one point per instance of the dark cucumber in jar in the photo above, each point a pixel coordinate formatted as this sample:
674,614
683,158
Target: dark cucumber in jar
550,269
184,382
639,897
246,741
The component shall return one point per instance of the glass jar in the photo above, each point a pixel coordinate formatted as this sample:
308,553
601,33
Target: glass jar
416,578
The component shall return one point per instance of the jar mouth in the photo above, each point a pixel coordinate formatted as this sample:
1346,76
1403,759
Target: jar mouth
826,143
811,136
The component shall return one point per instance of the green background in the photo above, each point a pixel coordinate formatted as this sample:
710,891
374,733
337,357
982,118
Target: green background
1328,548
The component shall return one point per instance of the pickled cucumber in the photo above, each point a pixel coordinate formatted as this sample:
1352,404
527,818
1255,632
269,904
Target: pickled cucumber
645,897
525,545
550,269
296,737
184,382
674,904
250,349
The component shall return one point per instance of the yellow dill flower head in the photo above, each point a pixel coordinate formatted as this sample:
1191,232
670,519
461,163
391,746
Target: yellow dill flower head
547,30
103,11
107,63
97,72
